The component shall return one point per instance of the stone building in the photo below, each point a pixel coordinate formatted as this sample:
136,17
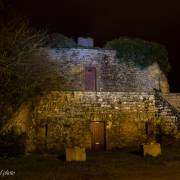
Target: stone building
103,104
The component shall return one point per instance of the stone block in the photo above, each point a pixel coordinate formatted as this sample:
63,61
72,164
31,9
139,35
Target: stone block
152,149
75,154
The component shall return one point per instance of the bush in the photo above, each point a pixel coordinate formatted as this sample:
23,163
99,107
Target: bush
56,40
142,53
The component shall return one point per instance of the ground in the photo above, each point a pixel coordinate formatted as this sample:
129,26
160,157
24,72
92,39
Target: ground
124,164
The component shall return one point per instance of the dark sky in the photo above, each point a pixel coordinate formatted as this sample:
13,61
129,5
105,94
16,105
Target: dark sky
155,20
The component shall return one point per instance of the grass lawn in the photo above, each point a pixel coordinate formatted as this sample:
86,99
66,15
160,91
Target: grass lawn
124,164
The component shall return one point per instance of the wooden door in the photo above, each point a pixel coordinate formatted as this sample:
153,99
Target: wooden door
90,79
98,135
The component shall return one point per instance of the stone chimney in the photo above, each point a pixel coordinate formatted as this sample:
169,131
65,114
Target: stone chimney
85,42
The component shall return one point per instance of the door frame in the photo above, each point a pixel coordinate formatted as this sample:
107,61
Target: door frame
95,74
104,148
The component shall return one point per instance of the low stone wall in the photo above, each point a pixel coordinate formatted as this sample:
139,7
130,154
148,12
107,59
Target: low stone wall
169,116
173,99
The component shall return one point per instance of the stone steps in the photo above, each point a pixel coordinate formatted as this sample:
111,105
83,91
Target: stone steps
173,99
168,109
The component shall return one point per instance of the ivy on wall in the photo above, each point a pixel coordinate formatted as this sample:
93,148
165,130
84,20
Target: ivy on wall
141,52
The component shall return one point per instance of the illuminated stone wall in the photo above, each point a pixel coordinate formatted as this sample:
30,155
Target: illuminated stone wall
50,118
123,113
110,75
169,114
124,101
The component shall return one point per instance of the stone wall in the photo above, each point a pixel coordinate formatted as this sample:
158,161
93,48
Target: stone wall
110,74
169,116
124,100
155,72
123,113
173,99
58,119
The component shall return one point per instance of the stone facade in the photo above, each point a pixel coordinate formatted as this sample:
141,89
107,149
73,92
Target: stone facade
126,115
123,99
58,119
123,114
111,75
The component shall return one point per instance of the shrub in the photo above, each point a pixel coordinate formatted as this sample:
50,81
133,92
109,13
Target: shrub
142,53
56,40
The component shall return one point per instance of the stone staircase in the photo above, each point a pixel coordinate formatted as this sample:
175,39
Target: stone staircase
173,99
168,107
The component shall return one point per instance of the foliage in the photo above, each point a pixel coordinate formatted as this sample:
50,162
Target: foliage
24,69
18,39
142,53
17,42
11,144
56,40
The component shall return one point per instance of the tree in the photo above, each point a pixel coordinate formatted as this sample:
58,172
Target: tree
23,67
142,53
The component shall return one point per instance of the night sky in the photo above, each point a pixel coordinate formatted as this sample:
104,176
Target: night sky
155,20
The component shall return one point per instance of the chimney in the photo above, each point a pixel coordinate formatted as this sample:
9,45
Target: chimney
86,42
